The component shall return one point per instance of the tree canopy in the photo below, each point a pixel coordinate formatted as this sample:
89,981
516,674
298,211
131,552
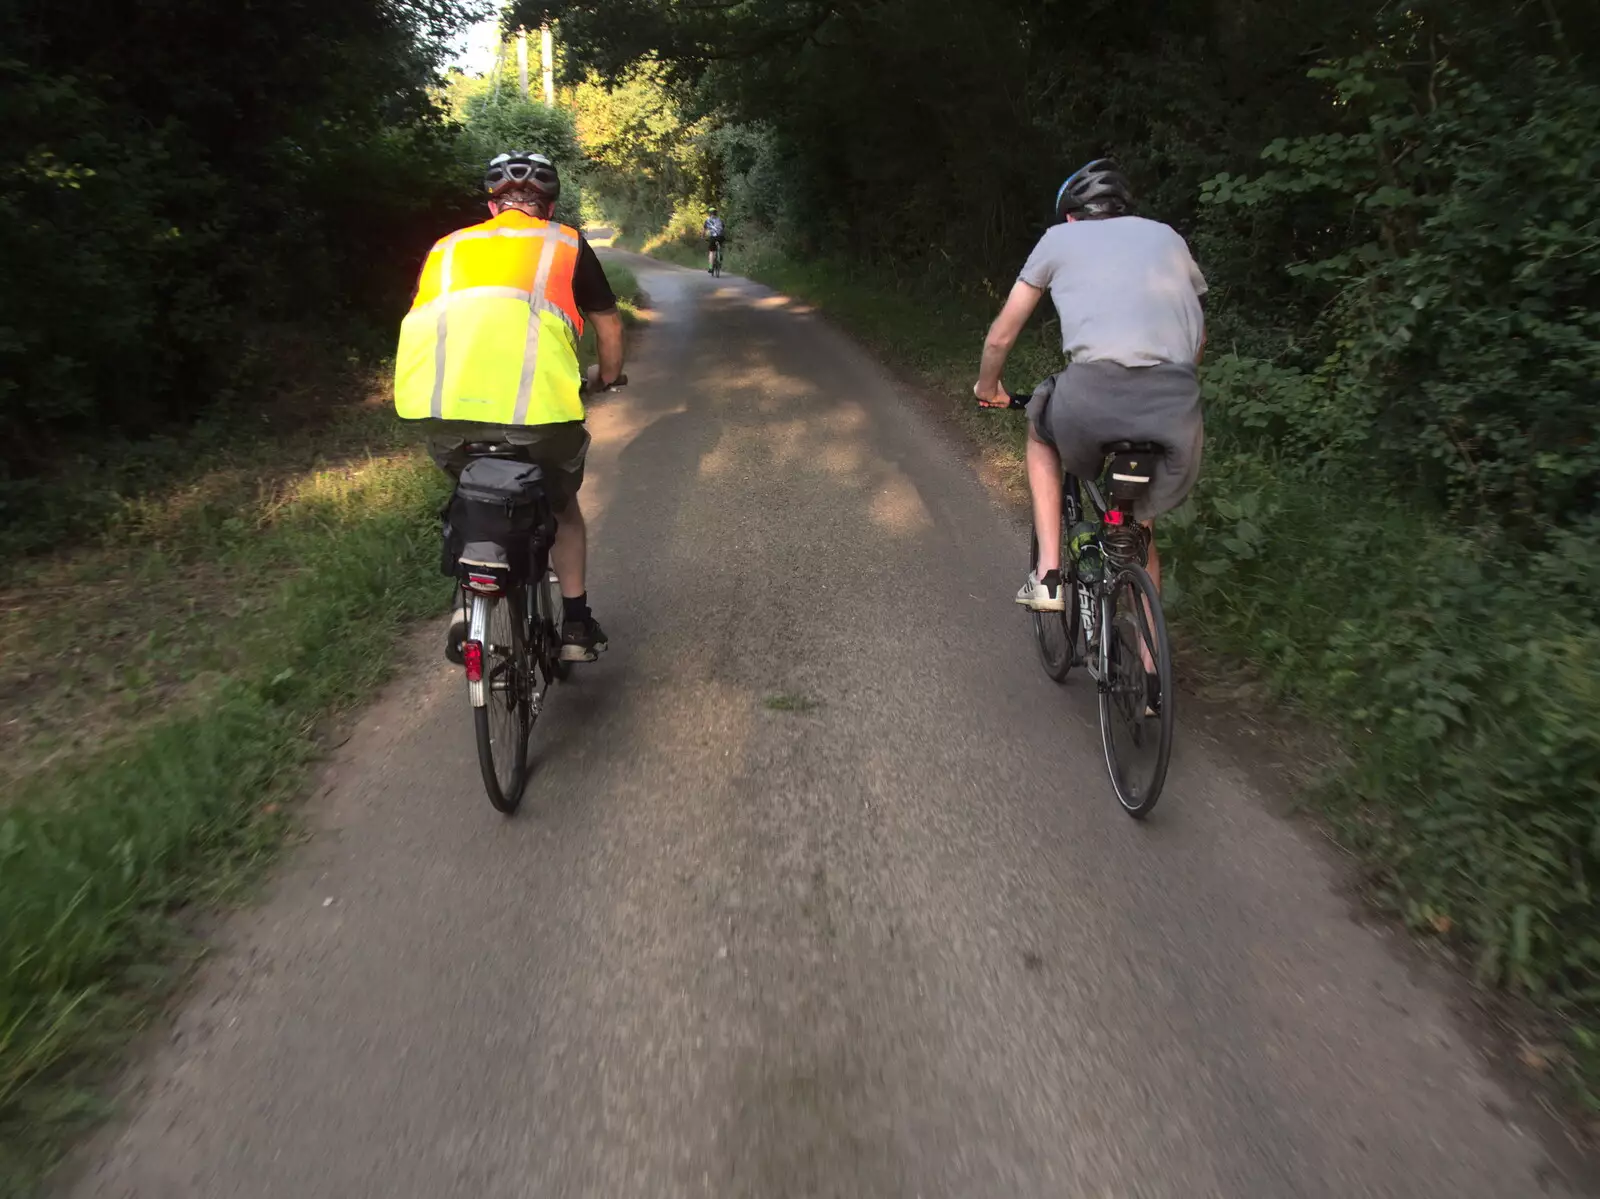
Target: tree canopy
182,177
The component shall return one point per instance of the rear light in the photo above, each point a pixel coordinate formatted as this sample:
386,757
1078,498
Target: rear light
1114,516
472,655
488,584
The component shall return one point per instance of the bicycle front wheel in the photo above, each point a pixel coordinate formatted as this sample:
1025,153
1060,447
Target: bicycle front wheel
1136,714
548,619
503,719
1057,633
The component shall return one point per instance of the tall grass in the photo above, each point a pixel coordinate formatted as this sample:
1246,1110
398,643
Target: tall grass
103,853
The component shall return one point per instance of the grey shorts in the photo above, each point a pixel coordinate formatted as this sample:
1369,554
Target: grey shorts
1091,403
560,449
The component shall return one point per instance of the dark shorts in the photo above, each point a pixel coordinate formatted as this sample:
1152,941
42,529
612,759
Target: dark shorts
1091,403
559,449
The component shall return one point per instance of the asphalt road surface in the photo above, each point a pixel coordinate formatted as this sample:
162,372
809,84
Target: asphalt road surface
819,890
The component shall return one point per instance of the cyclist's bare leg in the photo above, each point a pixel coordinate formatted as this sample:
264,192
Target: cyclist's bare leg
1044,483
570,554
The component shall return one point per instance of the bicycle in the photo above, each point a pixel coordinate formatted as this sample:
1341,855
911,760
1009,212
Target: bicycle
1107,587
716,258
512,651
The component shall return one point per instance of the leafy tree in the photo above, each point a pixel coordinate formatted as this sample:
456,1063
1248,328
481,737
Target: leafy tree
177,185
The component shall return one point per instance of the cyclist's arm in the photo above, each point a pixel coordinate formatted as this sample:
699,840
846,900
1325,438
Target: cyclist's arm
598,303
1003,334
608,342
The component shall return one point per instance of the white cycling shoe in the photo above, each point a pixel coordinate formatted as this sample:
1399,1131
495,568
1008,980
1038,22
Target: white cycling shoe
1038,597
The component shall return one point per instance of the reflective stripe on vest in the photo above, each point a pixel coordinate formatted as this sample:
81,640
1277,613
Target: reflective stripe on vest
485,301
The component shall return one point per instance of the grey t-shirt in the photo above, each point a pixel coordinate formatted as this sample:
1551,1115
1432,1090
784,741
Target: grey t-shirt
1127,290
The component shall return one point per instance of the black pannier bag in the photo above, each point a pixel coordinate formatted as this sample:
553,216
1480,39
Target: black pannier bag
496,519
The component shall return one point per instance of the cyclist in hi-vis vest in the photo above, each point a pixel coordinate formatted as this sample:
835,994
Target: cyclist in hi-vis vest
489,352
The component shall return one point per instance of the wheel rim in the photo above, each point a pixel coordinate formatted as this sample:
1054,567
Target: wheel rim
1055,632
1134,742
505,698
547,628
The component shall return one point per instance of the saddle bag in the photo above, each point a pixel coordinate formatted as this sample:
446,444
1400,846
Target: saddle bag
496,521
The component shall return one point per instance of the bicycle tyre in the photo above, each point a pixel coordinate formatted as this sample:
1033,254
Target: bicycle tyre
550,617
503,723
1124,727
1056,633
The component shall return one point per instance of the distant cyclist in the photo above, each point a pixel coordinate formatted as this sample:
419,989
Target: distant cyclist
714,233
489,352
1128,294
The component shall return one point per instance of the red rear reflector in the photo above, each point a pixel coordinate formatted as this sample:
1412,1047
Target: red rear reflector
1114,516
472,655
487,583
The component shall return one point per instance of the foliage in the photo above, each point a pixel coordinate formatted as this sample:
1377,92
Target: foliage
175,185
640,140
1463,319
511,122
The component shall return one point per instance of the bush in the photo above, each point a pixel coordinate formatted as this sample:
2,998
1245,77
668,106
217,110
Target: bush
1462,337
172,184
1463,678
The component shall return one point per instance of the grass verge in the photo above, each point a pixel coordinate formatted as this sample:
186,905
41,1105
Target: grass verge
1460,673
160,703
127,815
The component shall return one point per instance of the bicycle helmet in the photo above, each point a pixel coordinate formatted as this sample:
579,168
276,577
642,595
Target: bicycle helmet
520,170
1098,188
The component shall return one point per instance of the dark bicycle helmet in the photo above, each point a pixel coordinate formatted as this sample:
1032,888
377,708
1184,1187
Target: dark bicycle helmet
1098,188
519,169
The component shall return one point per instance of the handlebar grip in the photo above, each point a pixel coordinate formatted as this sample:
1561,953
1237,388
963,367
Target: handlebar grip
1019,399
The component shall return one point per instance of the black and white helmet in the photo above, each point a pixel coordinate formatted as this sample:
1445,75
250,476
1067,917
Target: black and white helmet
519,169
1098,188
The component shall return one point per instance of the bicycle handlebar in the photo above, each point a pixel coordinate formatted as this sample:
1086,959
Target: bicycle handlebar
1019,399
620,381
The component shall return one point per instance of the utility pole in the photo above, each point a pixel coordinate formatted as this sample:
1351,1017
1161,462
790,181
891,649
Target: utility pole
522,61
548,47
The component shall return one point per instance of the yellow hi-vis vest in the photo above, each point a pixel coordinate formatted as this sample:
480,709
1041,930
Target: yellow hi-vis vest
492,334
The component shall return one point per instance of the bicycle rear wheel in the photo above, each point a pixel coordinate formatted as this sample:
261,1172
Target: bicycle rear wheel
503,719
1138,744
1057,633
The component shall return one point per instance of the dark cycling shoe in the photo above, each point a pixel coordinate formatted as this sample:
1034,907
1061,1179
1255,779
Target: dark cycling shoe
582,640
1152,695
457,635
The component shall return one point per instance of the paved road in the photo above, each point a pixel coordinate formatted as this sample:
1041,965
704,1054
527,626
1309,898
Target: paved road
900,944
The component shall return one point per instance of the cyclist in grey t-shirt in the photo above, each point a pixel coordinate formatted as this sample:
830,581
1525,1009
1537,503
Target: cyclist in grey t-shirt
1128,295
